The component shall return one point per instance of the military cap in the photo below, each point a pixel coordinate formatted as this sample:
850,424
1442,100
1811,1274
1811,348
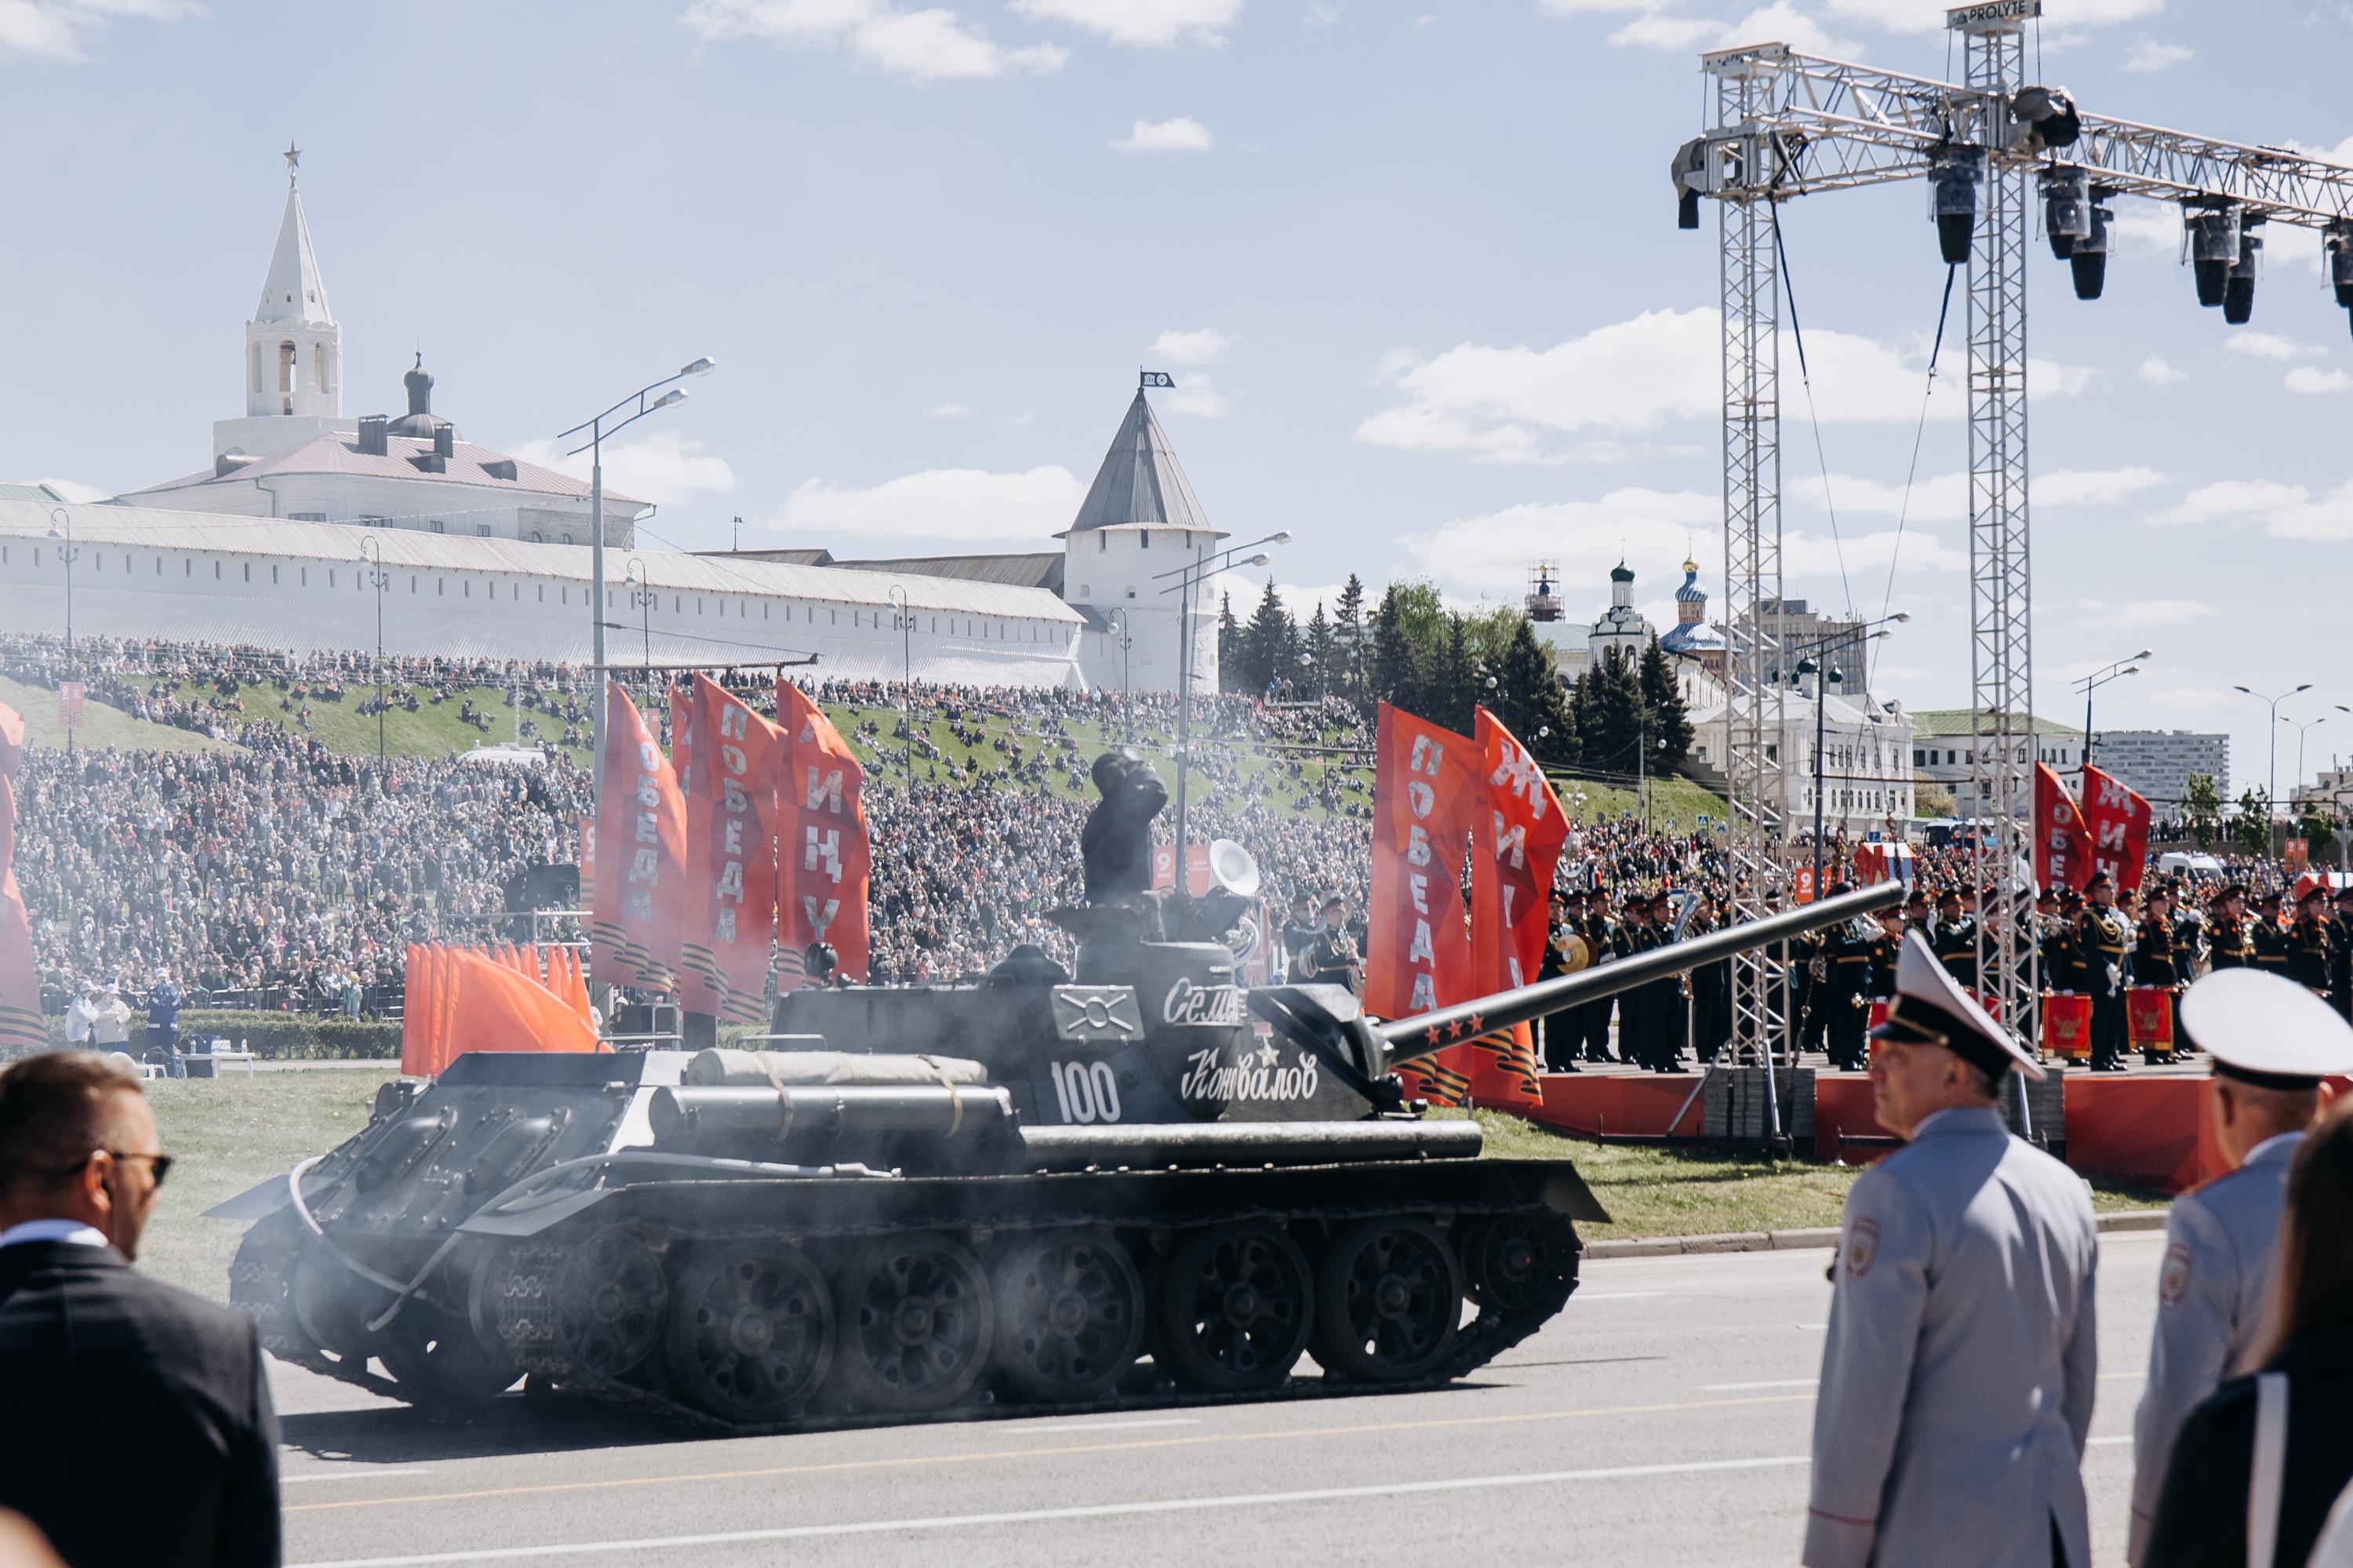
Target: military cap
2047,895
2097,878
2344,893
2312,895
2267,898
1950,896
1930,1008
2265,1030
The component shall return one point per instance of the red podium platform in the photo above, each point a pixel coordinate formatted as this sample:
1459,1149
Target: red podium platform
1618,1105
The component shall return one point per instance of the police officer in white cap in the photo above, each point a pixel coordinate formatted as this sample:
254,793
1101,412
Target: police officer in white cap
1961,1361
2272,1041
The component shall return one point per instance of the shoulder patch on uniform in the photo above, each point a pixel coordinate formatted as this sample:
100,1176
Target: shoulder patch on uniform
1862,1246
2173,1282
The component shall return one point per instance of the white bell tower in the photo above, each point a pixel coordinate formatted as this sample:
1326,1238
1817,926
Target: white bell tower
1140,520
293,361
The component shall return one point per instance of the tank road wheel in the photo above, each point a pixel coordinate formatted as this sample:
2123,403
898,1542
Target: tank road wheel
915,1316
1236,1306
751,1330
438,1363
610,1296
1510,1260
1070,1315
1389,1295
334,1304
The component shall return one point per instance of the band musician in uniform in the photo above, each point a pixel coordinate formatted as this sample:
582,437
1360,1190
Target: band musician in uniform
2307,942
2152,957
1961,1358
1955,939
2226,933
2100,934
2340,954
2267,938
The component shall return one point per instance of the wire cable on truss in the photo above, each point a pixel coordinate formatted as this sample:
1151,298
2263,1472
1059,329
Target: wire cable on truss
1903,510
1806,379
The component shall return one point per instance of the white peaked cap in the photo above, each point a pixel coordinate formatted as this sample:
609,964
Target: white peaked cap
1928,1005
2265,1029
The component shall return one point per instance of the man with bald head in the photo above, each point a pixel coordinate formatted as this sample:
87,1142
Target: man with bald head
138,1425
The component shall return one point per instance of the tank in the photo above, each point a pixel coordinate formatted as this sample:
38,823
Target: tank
1041,1192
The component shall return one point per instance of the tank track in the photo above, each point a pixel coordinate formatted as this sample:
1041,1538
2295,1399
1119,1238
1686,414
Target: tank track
518,1303
261,1284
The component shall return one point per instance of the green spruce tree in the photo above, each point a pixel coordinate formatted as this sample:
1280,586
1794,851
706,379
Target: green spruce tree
1531,701
1229,644
1270,644
1670,730
1322,653
1613,722
1348,631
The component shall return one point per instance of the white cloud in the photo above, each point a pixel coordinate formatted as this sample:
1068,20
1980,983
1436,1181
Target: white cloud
1505,403
928,45
2140,614
1152,23
1182,134
962,504
2190,699
1194,394
2146,226
2148,54
2234,500
1945,497
2304,379
61,29
663,468
2158,373
1200,345
1664,24
1323,14
73,489
946,411
1783,23
2267,345
1493,552
2094,486
1659,30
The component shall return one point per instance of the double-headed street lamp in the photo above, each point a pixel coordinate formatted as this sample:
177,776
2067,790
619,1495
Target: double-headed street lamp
597,430
2271,787
61,527
2093,682
372,552
642,594
1116,621
2301,725
1189,577
1808,665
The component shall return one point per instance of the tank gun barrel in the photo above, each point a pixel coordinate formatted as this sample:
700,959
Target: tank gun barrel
1426,1034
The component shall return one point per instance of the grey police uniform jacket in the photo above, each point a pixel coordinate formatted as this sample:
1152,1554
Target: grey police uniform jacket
2213,1301
1961,1362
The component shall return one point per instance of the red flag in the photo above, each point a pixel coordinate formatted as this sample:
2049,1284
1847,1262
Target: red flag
22,1027
501,1009
1520,839
731,851
824,856
641,847
12,739
2117,820
2063,844
1425,784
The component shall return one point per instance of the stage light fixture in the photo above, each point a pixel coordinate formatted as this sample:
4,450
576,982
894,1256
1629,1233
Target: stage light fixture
2049,114
2239,288
2337,243
2066,209
2213,250
1689,172
1953,176
2089,259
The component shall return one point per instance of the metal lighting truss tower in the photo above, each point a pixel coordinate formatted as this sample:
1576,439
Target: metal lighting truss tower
1787,124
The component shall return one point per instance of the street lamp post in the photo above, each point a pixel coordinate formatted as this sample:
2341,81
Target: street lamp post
1189,577
642,595
1117,618
61,527
378,580
597,430
2301,725
2093,682
1808,665
903,620
2271,785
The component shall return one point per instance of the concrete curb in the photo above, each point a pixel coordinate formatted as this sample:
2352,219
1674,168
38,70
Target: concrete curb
1814,1237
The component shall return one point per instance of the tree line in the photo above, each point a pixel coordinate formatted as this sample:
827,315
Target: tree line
1624,715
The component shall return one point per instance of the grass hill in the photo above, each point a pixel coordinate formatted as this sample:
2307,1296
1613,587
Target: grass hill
101,725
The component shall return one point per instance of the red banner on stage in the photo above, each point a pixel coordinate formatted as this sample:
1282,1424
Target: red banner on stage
825,859
1521,832
2067,1026
2063,844
734,760
1417,955
2117,820
634,929
2149,1017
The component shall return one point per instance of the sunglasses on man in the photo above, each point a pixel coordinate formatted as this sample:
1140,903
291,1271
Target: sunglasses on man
161,1162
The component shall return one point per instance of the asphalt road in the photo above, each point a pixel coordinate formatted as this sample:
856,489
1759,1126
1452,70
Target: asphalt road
1663,1418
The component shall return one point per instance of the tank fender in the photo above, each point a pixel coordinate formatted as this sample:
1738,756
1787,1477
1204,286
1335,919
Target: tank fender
1565,1192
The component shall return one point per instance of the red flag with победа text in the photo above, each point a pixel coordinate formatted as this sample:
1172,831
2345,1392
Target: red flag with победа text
1426,784
1516,850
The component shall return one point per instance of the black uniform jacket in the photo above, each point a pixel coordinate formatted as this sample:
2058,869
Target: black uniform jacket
2202,1515
135,1423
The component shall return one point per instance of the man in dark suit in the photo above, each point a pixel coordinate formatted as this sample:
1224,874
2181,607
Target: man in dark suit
100,1361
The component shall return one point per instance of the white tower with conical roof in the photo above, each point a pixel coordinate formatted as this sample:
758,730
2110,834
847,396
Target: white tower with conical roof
293,361
1140,519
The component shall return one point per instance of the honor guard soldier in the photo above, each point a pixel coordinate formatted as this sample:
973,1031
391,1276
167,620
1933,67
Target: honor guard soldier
2226,933
2340,954
1561,1037
1332,957
1847,954
2266,938
2100,934
1961,1360
2271,1042
2062,951
1609,939
2188,937
1956,940
2154,962
2307,942
1882,948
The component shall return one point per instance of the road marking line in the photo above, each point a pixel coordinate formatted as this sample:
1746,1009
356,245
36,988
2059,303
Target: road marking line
1747,1387
1119,1425
2106,1441
1619,1295
999,1456
350,1473
1049,1515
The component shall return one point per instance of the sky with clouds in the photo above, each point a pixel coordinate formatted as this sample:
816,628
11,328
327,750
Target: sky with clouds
1412,263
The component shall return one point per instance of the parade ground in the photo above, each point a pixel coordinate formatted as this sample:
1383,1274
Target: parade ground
1662,1418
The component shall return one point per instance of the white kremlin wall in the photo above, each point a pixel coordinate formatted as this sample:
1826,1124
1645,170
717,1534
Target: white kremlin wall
305,587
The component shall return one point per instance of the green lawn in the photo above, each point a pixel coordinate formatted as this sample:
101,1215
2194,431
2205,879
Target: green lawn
101,725
1676,804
